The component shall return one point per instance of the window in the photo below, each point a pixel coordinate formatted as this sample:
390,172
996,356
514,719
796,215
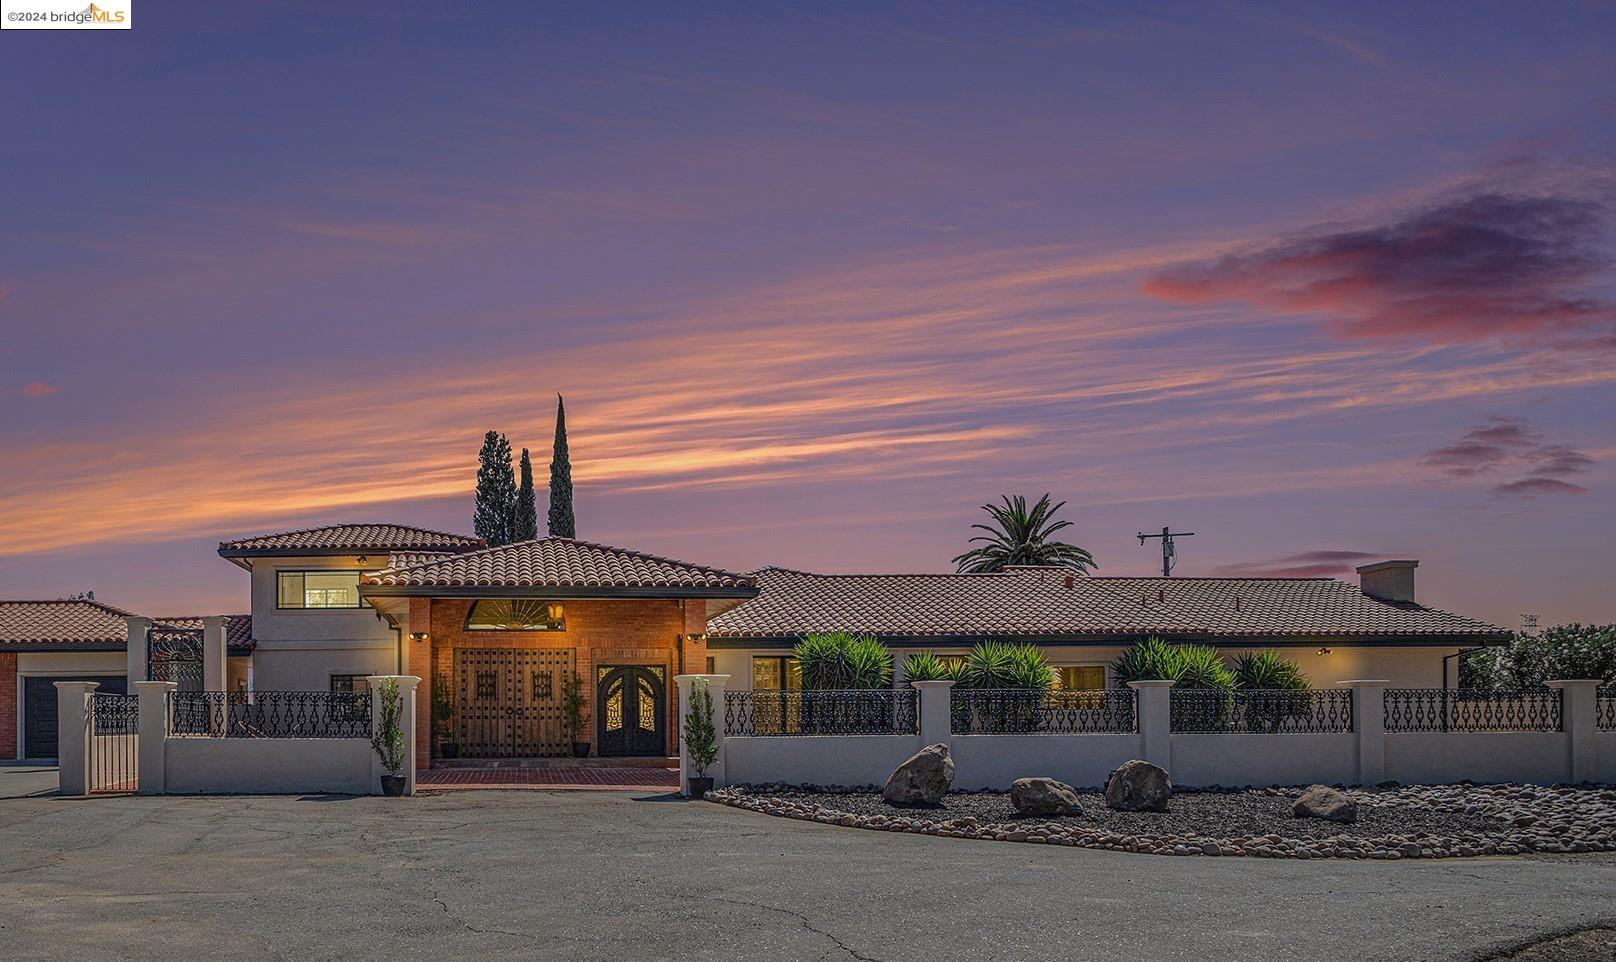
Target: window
317,589
1080,677
516,614
712,665
776,673
349,683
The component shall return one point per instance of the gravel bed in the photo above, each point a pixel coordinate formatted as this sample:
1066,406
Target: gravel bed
1392,823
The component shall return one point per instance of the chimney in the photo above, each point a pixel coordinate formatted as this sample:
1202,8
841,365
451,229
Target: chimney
1388,580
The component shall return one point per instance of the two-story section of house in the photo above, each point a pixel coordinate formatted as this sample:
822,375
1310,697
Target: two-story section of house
313,631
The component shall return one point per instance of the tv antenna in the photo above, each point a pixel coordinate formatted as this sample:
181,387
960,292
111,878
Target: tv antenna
1529,624
1169,554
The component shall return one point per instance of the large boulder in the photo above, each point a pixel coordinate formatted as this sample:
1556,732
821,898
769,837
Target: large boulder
923,779
1138,786
1321,801
1044,796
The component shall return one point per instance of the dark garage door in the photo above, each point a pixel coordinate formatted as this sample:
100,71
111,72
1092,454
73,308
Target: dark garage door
39,710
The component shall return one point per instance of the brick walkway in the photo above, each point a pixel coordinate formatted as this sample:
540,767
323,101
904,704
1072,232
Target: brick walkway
552,777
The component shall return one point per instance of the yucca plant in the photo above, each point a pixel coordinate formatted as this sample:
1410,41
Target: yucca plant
1149,660
1202,666
1002,664
840,661
1268,669
929,666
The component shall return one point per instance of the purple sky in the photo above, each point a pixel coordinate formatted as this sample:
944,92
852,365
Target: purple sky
1319,284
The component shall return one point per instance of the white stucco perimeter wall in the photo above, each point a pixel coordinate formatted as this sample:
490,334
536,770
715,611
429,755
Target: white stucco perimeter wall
269,766
1441,758
1083,761
1234,760
815,759
1605,766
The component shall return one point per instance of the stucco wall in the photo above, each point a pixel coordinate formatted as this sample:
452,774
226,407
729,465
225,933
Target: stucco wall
310,667
310,625
1605,746
816,760
1443,757
994,761
1201,760
273,766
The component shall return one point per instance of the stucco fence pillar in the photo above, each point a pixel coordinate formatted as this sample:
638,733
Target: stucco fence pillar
407,685
1579,718
936,711
215,657
716,685
73,736
1155,716
135,647
1369,727
153,739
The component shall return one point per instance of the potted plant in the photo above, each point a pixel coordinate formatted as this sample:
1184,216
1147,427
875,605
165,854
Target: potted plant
443,712
572,703
701,739
388,739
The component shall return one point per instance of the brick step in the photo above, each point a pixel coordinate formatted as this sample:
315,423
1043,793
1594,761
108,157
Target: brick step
485,763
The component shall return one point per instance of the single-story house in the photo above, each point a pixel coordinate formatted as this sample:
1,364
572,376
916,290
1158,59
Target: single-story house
500,635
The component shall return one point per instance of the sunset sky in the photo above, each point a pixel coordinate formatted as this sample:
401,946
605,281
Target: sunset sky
1322,284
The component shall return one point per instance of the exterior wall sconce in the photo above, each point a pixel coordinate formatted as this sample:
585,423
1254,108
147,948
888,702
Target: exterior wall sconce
1324,651
418,636
697,637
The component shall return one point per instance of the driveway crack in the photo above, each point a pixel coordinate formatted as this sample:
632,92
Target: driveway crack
807,923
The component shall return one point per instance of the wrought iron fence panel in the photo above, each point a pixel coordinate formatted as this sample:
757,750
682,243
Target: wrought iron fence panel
864,712
175,655
113,723
1605,704
1277,711
1033,711
271,714
1472,710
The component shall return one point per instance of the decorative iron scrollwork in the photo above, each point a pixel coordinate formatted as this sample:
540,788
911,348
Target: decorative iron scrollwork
869,712
1472,710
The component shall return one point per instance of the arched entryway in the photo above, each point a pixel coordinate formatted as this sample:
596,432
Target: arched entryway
632,711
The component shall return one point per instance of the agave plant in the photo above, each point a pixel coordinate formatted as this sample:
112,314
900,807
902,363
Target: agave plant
1021,535
837,660
929,666
1268,669
1186,666
1203,667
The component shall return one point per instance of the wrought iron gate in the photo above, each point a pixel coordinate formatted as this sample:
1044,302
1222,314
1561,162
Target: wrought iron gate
112,727
632,700
508,701
175,654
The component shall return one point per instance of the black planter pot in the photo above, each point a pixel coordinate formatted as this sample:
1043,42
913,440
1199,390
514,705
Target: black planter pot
393,785
698,786
580,749
449,750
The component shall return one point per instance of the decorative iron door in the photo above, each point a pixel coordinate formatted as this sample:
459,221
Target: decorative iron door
632,705
175,655
508,701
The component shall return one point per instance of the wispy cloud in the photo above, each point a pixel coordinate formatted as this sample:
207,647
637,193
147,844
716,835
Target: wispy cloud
1320,563
38,389
1459,270
1505,442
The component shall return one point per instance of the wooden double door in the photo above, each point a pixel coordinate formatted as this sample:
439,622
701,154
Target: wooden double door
508,702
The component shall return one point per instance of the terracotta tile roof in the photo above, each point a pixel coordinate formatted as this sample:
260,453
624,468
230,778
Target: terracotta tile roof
62,622
346,538
559,563
1037,603
96,625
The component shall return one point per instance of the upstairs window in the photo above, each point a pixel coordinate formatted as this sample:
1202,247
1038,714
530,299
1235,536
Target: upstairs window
317,589
516,614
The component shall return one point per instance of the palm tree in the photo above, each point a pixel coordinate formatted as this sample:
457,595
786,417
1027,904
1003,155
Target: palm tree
1021,536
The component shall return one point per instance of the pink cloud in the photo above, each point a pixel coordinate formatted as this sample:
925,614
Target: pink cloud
1531,487
1460,270
39,389
1322,563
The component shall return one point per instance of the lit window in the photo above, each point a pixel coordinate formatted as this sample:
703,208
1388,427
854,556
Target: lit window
776,673
317,589
1080,677
516,614
349,683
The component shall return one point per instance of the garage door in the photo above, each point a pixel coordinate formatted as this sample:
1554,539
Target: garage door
39,710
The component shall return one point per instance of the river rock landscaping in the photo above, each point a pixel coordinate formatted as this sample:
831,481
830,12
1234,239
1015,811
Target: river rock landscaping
1442,821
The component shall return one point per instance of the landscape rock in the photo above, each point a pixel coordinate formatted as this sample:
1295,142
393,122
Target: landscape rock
1044,796
923,778
1138,786
1320,801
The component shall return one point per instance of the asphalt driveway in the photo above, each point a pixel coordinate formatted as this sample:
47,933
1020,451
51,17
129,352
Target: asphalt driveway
611,875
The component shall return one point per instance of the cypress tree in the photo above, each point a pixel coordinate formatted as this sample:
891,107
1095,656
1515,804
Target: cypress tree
525,523
562,522
496,491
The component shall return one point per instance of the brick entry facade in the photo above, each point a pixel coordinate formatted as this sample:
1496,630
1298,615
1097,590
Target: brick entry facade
8,704
651,632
